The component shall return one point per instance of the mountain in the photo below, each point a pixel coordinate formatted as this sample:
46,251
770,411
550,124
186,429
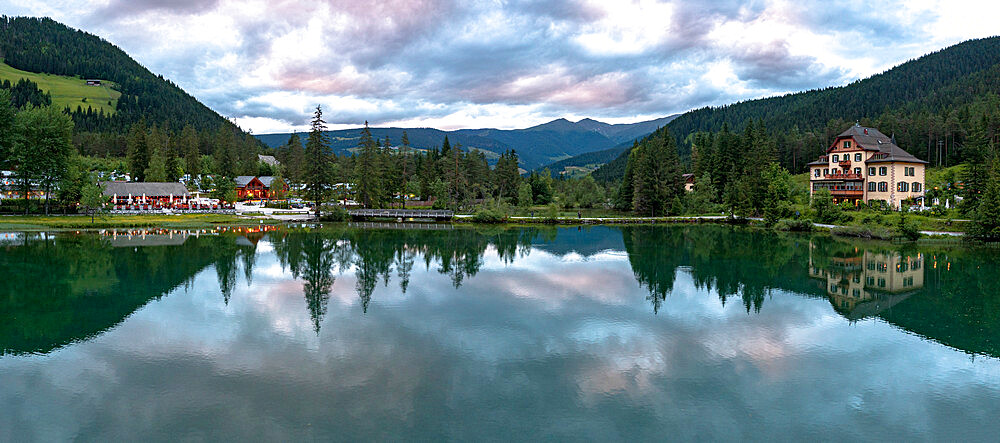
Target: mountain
44,46
624,134
536,146
920,101
587,162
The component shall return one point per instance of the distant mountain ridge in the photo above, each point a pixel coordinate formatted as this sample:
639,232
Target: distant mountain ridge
536,146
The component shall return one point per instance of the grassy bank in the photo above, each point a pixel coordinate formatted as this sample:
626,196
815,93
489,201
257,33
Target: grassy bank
21,223
67,91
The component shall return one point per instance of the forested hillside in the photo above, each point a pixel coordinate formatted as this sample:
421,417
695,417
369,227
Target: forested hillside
930,104
42,45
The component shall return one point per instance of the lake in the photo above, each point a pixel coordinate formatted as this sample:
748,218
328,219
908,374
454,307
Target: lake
440,332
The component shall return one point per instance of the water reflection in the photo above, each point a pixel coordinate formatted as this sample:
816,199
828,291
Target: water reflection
490,333
68,287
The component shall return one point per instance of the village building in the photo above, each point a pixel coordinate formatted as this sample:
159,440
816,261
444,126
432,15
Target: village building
249,186
146,194
688,182
11,187
93,82
268,160
863,165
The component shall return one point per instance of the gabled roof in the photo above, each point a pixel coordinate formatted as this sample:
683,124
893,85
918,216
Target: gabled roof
269,159
870,139
266,180
149,189
243,180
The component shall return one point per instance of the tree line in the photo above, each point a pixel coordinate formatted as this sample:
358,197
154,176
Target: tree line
384,173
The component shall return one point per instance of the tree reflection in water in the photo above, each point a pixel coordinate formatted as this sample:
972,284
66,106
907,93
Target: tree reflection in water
68,287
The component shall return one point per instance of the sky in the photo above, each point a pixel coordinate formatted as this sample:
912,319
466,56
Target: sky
452,64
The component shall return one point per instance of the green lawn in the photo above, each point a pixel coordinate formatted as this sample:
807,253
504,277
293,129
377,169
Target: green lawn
67,91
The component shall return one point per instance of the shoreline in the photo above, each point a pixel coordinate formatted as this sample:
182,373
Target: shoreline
81,222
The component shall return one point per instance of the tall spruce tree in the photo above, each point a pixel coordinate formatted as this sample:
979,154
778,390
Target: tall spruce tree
138,151
189,147
318,168
367,174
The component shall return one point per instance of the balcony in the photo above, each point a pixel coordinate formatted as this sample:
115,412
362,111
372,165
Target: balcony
842,176
847,192
845,164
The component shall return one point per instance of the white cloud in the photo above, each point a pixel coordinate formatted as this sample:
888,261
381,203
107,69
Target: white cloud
484,64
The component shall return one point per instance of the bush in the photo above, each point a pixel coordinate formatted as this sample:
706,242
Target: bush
876,232
491,212
552,214
907,229
335,214
826,211
794,225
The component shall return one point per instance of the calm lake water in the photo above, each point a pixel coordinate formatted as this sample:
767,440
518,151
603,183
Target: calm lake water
606,333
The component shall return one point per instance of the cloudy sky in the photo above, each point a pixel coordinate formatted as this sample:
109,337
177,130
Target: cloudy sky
508,63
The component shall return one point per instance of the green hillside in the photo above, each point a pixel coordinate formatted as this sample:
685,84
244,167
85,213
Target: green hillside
44,46
922,102
71,92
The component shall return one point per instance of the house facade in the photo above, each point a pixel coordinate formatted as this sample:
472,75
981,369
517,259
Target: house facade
863,165
248,186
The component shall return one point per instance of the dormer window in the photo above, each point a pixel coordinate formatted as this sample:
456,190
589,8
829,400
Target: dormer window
847,144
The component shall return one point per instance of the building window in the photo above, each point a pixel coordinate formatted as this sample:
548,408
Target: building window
826,172
836,158
816,172
857,157
871,186
847,144
870,281
883,187
856,293
916,186
871,170
883,170
903,187
857,171
881,282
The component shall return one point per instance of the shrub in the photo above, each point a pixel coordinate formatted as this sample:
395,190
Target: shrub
335,214
907,229
876,232
794,225
491,212
552,214
826,211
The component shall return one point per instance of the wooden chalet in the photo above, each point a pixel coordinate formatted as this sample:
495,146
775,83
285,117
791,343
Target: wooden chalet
248,187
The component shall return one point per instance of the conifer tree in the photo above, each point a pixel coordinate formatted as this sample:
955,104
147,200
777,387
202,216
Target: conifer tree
366,171
318,168
986,224
189,146
138,151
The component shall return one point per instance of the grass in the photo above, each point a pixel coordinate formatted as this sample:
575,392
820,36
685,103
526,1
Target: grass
21,223
67,91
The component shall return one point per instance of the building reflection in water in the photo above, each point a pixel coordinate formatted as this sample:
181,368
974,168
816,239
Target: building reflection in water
863,283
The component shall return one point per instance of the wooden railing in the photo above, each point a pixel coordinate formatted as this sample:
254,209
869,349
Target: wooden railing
436,214
842,176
